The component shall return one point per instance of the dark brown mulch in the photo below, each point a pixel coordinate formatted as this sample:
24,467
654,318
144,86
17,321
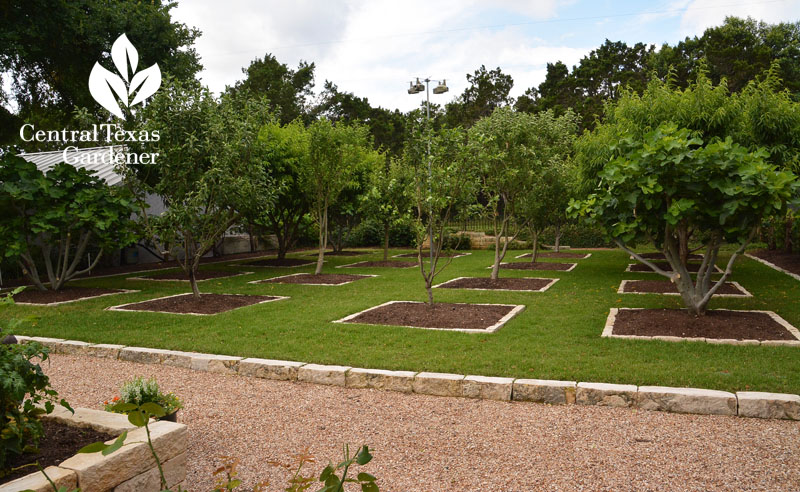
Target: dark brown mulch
310,278
666,287
787,261
715,324
201,275
426,254
187,304
60,441
539,265
641,267
36,296
498,284
553,254
660,256
382,264
342,253
275,262
442,315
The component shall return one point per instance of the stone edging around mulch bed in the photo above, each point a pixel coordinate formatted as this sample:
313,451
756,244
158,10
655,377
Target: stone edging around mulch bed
745,292
122,470
550,284
681,400
152,279
517,308
574,265
427,256
612,317
120,291
628,269
528,255
267,280
773,266
122,306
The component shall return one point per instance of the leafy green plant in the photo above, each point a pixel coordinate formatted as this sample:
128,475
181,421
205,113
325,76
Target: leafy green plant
139,391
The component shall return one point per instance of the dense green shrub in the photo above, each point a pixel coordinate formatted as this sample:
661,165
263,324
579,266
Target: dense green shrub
370,233
457,241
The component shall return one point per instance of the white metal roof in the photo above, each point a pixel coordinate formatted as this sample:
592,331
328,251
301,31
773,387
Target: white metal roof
96,160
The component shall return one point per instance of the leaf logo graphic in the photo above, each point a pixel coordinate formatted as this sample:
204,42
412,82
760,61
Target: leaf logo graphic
128,87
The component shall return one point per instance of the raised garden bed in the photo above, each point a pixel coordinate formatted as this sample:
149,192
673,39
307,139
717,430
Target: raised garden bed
33,296
329,279
279,263
642,268
470,318
182,277
717,324
539,265
186,304
380,264
525,284
728,289
561,254
788,263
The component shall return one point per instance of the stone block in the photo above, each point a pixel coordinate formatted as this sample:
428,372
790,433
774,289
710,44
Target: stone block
686,400
320,374
768,405
402,381
150,481
100,420
71,347
282,370
544,391
37,483
142,355
104,350
222,364
438,384
605,395
487,388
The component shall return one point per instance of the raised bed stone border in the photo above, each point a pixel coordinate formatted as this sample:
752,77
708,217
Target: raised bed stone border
552,282
457,255
267,280
146,279
534,270
773,266
121,307
683,400
608,331
351,265
528,255
129,469
744,292
717,269
121,291
517,308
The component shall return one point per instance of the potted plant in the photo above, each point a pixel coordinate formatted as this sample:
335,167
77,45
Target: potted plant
140,390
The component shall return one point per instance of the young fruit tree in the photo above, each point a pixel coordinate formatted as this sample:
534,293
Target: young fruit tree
209,169
50,219
335,152
386,199
441,183
669,186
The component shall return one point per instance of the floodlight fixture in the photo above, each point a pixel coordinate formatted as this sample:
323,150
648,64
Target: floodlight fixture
441,88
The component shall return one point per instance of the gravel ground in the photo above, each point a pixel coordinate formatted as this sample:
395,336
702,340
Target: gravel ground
425,443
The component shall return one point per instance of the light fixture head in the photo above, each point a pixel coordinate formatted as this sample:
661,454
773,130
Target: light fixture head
419,86
412,89
441,88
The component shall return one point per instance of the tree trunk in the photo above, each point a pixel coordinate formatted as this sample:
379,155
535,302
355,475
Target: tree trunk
558,238
771,236
496,264
430,292
788,226
252,239
385,241
535,252
323,239
193,282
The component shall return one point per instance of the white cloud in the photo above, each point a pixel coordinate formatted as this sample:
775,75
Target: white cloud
702,14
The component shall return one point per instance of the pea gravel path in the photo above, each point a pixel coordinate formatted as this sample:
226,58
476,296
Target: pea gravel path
426,443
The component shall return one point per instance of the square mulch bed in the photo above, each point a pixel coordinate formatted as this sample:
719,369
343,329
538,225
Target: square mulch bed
717,326
35,297
642,268
182,277
728,289
468,318
280,263
525,284
788,263
560,254
330,279
380,264
186,303
539,265
426,254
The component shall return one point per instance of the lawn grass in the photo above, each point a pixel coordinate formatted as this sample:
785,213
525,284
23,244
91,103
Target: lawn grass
556,337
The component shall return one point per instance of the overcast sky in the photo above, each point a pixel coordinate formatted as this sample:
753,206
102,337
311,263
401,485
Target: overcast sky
373,48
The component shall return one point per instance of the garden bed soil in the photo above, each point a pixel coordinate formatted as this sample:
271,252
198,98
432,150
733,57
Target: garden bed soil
661,256
312,279
481,283
667,287
641,267
539,265
788,261
381,264
275,262
443,316
716,324
60,441
201,275
560,254
32,295
187,304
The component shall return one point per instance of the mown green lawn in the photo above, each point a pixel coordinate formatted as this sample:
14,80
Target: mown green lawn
556,337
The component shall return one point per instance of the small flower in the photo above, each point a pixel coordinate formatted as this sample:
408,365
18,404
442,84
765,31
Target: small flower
105,402
116,398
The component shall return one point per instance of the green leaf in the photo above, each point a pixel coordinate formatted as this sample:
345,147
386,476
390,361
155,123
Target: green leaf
93,447
369,487
326,473
123,407
366,477
364,457
137,418
153,409
116,444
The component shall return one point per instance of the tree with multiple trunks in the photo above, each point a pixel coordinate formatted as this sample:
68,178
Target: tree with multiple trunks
385,199
209,168
669,185
50,219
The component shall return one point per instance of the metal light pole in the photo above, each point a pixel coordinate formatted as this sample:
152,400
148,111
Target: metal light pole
439,89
